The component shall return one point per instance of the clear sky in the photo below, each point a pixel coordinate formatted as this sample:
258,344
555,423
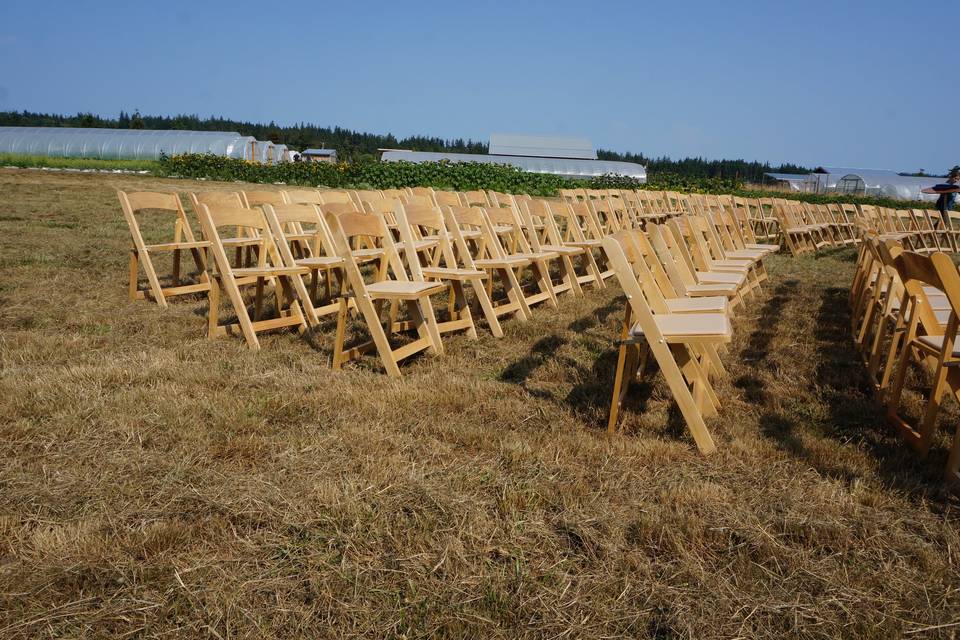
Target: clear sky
864,84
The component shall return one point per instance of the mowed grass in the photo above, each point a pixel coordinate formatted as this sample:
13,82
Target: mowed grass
154,483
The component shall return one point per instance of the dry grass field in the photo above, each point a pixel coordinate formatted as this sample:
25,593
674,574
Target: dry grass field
154,483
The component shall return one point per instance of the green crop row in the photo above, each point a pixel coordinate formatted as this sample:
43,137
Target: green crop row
460,176
36,162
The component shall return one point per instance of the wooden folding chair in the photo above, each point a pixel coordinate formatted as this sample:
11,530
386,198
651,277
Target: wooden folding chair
693,231
268,270
475,247
685,279
930,342
574,225
415,223
371,297
254,198
535,215
329,196
506,229
318,256
138,203
680,344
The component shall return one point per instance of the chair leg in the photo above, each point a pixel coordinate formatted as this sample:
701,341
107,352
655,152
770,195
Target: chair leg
514,291
233,292
426,322
213,308
134,275
155,287
487,307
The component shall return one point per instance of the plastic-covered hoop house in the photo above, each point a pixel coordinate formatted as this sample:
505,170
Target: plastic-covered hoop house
132,144
264,152
885,184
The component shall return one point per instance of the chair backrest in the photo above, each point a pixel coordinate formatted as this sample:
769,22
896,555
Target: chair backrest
446,198
330,196
213,217
321,244
345,227
136,202
217,199
365,195
472,219
935,270
476,199
415,223
303,196
257,198
674,256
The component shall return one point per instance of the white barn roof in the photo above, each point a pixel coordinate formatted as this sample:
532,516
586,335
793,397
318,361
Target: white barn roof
503,144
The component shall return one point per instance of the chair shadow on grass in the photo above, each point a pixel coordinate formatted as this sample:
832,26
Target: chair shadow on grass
590,398
851,414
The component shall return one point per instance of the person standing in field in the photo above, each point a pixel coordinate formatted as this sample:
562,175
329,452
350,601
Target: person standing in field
947,193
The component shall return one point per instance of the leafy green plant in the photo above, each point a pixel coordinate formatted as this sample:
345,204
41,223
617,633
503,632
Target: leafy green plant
461,176
37,162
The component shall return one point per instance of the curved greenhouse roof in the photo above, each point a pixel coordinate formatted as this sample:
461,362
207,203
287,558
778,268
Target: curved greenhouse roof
567,167
134,144
880,182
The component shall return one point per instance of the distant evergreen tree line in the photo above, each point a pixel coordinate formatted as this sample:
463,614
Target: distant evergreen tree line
355,145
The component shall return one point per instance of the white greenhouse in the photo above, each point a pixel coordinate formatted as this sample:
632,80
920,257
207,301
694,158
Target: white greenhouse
133,144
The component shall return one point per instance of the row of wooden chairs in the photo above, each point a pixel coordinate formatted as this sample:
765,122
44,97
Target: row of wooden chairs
682,286
808,227
636,207
401,249
282,238
905,307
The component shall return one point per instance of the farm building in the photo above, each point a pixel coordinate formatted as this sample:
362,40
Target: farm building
132,144
562,156
319,155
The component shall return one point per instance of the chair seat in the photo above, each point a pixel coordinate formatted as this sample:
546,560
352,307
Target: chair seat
746,254
502,263
705,304
172,246
735,266
240,242
680,327
268,272
567,251
320,262
936,343
403,290
367,254
306,236
711,289
770,248
721,277
452,274
585,243
542,255
419,245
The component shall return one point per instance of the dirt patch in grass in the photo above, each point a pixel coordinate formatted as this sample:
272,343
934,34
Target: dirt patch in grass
153,482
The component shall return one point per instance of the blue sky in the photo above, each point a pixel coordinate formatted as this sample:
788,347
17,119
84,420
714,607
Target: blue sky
830,83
